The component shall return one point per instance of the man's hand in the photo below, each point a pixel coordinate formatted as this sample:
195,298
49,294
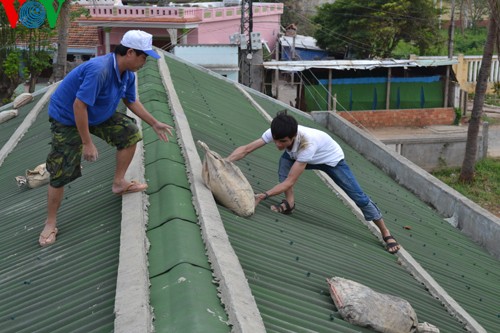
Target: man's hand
161,130
259,197
90,152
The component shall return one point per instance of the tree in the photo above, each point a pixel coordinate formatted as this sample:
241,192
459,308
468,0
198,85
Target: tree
295,13
468,166
37,55
62,41
373,28
472,12
10,59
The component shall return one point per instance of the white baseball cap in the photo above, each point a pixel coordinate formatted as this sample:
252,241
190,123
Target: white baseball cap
139,40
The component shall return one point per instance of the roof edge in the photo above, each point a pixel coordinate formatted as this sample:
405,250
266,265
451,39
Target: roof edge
27,122
132,310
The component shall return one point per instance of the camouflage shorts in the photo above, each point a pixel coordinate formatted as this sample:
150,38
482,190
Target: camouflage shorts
63,161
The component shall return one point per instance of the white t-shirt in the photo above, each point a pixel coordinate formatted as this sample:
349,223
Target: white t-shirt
312,146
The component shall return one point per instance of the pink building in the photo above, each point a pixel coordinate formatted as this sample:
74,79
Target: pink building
181,25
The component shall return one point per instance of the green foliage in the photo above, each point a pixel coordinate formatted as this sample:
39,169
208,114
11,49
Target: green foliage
11,66
485,190
24,53
38,53
496,88
458,116
470,42
76,12
10,59
294,13
374,28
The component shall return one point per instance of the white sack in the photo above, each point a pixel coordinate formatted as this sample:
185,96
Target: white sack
22,99
227,183
365,307
7,115
34,178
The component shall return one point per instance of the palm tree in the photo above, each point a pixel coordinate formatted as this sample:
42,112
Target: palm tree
468,166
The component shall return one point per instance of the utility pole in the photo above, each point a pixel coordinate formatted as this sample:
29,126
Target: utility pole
451,35
246,52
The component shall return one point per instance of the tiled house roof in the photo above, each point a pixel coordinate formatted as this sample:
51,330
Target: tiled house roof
82,36
71,286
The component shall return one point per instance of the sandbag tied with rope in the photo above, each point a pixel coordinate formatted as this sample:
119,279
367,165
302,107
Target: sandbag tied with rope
227,183
362,306
34,178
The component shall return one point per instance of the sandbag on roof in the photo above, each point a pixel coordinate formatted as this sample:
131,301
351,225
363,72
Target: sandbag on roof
227,183
22,99
7,115
34,178
362,306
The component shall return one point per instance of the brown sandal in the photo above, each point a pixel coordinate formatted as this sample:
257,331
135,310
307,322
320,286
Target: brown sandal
392,245
287,210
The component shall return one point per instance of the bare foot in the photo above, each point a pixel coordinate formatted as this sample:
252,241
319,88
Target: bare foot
132,187
48,236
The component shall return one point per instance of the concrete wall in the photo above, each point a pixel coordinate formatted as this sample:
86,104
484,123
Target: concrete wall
477,223
431,153
403,117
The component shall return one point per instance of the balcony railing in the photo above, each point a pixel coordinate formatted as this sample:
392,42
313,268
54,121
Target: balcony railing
467,71
198,14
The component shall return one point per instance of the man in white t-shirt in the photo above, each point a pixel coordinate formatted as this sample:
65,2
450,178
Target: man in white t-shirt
309,148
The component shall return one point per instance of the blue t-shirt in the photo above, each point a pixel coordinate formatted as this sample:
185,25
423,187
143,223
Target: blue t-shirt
98,84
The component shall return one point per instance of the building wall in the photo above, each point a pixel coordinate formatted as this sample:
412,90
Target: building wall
218,32
207,25
221,59
403,118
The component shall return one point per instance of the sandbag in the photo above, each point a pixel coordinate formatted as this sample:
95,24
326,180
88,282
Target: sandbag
7,115
227,183
362,306
34,178
22,99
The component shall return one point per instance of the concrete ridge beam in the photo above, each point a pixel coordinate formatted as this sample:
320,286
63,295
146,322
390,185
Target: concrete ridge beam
132,310
236,295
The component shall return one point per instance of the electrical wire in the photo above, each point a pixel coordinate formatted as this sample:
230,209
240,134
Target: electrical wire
312,86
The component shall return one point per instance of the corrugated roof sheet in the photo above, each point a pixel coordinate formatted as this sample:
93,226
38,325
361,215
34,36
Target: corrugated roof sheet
323,238
68,287
297,66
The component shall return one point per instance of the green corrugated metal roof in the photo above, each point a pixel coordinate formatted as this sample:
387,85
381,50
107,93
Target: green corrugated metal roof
9,127
289,257
68,287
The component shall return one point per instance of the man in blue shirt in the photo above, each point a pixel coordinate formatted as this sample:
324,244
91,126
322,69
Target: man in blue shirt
85,103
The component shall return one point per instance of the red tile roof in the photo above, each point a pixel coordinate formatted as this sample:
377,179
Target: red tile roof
82,36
